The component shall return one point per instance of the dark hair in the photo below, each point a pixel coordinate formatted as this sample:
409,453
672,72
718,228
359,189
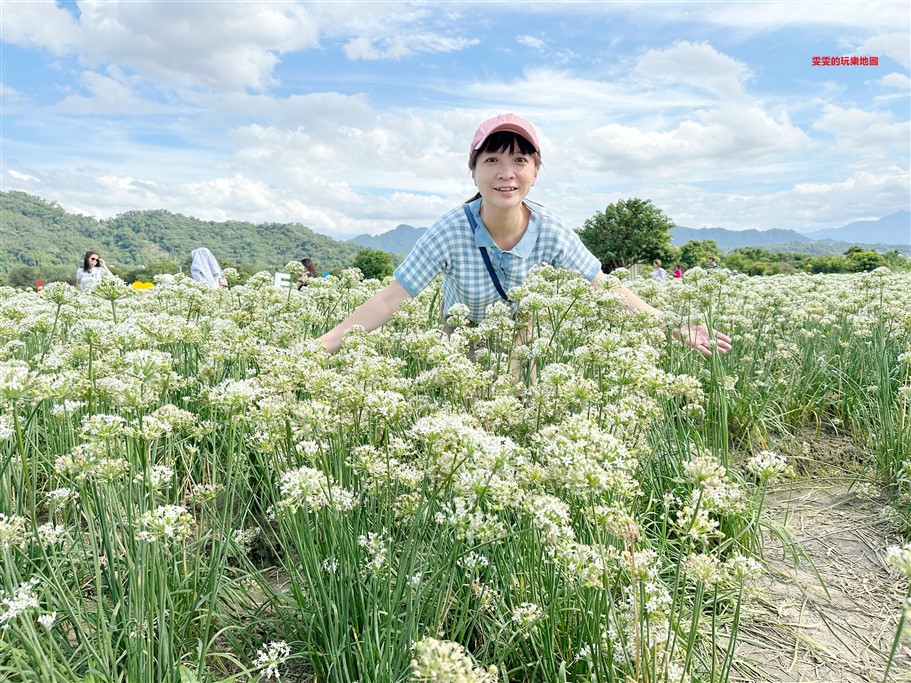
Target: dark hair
311,269
86,264
503,141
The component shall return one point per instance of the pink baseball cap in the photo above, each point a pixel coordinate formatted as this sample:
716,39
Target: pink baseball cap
510,122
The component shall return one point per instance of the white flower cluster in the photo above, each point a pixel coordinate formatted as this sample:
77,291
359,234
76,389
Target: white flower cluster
702,568
157,478
6,428
270,657
244,538
899,559
377,547
17,383
12,532
527,616
309,489
21,600
91,461
768,465
61,496
166,523
442,661
50,534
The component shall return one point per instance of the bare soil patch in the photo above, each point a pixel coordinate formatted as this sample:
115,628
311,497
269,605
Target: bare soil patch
831,614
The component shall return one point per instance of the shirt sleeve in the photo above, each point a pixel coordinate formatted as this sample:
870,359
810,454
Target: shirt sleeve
572,253
427,259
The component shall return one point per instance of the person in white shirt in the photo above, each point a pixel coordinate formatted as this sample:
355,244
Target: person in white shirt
206,269
658,273
92,272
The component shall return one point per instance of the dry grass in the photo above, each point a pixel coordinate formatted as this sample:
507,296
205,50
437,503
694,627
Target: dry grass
831,615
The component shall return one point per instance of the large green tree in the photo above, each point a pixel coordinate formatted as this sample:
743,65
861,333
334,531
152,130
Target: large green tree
628,232
698,252
373,263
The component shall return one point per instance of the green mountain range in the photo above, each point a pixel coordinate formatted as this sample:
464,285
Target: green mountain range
38,238
399,240
892,232
39,233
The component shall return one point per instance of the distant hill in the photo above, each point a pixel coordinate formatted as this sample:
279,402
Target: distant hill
892,229
887,233
733,239
883,235
399,240
830,248
38,232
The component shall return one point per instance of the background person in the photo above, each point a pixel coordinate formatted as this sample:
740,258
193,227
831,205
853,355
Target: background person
658,273
92,272
489,245
678,272
205,268
308,273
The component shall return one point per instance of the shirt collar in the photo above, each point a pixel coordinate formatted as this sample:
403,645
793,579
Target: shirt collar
525,246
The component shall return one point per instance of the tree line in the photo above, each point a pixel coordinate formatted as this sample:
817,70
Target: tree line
42,240
633,231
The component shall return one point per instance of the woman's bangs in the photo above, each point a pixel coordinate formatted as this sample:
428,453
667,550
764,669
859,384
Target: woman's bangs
507,141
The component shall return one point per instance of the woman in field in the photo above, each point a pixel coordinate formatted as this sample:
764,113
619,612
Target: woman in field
490,244
92,272
310,272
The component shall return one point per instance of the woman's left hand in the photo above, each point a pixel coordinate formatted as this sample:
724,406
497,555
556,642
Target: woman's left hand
699,337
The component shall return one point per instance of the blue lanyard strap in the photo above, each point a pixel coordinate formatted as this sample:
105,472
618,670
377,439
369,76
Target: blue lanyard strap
484,255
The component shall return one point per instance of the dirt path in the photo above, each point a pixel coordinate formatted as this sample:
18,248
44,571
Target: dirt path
800,631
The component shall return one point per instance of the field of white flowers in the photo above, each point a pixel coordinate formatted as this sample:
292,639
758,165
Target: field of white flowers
191,490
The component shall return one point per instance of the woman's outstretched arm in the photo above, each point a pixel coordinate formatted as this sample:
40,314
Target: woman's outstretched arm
695,335
370,315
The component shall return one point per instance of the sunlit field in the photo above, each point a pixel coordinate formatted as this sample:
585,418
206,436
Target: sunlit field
191,490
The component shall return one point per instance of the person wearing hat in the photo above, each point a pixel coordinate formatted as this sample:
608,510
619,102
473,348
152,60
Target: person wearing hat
489,245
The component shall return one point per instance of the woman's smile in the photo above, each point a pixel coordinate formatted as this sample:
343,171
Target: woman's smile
506,175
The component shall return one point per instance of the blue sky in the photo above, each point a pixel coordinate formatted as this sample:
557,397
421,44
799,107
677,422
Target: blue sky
355,117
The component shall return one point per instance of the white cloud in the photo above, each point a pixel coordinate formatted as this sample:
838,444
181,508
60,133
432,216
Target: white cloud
564,96
11,98
670,122
895,44
314,110
386,153
532,42
762,16
896,80
25,177
802,206
399,46
862,133
709,144
39,24
214,45
361,48
108,95
698,65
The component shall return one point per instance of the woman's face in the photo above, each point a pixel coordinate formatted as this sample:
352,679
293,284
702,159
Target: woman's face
94,260
504,178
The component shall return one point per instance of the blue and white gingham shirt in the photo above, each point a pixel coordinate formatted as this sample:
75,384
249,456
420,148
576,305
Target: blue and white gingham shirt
448,247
